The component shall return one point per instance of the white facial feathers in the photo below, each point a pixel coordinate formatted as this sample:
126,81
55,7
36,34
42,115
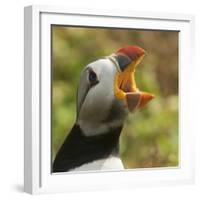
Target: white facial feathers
96,101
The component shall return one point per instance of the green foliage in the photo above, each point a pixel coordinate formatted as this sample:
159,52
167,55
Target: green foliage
150,136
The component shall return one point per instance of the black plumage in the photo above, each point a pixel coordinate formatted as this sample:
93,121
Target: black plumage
79,149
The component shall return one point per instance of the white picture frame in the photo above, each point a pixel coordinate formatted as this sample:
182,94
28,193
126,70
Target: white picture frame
37,135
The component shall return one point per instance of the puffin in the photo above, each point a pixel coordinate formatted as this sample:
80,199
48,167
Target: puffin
107,93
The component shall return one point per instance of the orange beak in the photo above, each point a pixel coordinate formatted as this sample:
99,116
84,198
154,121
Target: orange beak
125,85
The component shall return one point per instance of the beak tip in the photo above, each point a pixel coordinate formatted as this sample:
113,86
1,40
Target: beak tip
145,98
152,96
132,51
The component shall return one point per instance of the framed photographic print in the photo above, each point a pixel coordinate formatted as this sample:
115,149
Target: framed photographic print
107,99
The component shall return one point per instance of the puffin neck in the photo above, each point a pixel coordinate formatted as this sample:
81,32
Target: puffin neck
79,149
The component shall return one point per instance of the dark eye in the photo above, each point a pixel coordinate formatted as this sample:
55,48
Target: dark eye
93,78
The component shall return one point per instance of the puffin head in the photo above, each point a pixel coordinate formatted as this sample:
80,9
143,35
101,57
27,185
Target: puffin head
107,91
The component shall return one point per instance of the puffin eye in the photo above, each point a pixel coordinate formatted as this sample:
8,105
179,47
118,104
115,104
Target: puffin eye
93,78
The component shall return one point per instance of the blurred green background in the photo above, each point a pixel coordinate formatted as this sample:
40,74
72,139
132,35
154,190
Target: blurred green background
150,136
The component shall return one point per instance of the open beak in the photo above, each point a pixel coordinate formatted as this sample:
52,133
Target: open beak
125,85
